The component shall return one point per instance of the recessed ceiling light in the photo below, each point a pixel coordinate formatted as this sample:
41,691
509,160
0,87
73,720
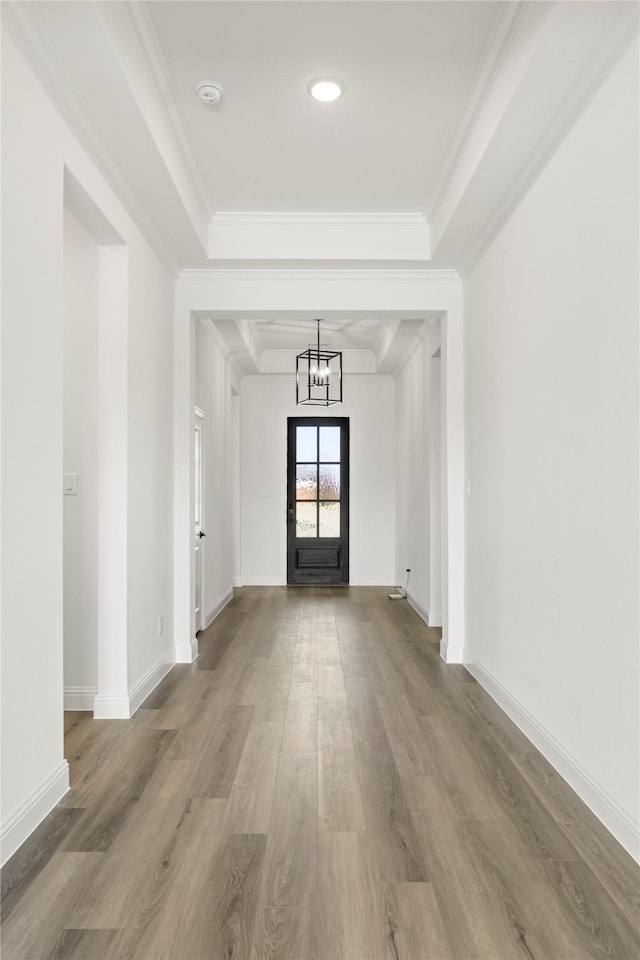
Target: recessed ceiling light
325,89
210,92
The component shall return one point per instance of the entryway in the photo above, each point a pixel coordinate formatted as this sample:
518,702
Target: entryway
318,500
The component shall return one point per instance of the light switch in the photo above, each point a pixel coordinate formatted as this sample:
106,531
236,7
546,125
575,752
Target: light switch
264,492
70,485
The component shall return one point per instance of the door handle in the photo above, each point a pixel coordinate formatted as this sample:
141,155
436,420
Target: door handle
201,534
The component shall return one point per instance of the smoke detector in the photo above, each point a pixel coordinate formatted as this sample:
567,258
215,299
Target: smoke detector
210,92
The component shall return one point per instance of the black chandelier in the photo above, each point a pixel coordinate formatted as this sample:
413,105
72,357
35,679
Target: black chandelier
319,375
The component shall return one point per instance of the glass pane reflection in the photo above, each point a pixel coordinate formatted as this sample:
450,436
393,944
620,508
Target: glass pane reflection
329,444
306,482
306,444
329,519
329,481
306,524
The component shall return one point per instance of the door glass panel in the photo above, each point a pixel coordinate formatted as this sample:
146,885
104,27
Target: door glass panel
329,519
306,524
306,444
329,444
329,481
306,481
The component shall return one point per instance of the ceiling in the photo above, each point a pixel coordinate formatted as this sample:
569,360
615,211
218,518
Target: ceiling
408,70
450,111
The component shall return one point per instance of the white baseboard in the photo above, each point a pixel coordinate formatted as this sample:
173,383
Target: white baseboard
259,581
432,619
33,811
444,650
187,652
79,698
616,820
107,707
218,607
116,707
236,582
370,581
147,684
422,613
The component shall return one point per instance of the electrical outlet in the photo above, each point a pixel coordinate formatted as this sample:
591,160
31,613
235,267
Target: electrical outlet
160,625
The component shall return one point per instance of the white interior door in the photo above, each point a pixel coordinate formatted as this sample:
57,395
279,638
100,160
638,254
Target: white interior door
199,533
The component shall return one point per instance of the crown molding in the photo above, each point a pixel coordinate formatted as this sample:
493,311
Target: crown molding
211,275
147,40
573,107
209,325
500,41
251,220
425,330
27,31
232,357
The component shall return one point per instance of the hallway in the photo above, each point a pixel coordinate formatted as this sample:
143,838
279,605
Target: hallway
318,784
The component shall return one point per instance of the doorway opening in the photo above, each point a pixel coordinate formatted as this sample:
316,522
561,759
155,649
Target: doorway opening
199,533
435,493
318,500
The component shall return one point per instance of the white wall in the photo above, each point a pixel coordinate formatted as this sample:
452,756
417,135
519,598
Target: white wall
150,458
552,448
414,506
80,438
213,396
265,404
37,145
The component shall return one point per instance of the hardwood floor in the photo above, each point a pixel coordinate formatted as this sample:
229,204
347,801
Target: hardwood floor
319,785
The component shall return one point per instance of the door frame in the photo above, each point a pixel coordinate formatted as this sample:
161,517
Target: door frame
319,421
200,619
441,294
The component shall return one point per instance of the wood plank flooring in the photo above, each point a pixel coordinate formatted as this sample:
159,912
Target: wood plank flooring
319,785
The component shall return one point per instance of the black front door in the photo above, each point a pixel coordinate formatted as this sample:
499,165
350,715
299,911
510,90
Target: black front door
318,500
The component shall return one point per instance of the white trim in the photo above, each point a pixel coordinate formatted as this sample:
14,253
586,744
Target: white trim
79,698
231,357
364,582
187,653
314,219
422,613
123,708
259,581
147,684
33,811
502,37
106,707
217,608
34,43
620,824
572,109
382,275
237,582
160,77
200,544
444,650
434,619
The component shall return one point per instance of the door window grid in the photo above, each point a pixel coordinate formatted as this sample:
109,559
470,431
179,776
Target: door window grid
317,515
